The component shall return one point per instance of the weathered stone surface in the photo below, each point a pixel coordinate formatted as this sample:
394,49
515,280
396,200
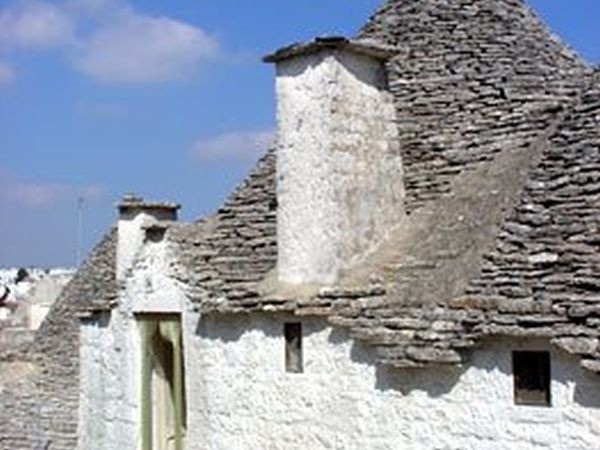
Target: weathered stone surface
226,255
498,128
577,346
347,399
473,78
40,411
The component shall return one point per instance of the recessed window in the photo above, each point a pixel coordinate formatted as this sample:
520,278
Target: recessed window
293,347
155,234
531,372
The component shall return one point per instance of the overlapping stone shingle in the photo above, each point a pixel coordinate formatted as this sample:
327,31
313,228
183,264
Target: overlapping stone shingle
499,130
483,91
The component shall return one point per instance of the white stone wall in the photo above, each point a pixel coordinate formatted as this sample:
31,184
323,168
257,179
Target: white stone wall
131,234
41,286
109,357
339,170
130,240
240,397
110,353
31,299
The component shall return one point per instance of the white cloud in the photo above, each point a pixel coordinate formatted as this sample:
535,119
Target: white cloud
107,39
101,110
7,74
34,24
238,145
92,8
42,194
139,48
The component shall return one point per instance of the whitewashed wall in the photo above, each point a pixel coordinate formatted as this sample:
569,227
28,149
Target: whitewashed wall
241,398
339,171
110,353
108,394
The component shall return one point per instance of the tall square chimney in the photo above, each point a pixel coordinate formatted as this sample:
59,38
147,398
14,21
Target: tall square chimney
339,169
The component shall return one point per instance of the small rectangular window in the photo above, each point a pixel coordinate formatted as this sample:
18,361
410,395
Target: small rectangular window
531,377
293,347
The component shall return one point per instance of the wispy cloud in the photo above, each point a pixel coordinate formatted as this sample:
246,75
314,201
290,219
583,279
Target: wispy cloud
107,40
41,194
7,73
93,8
35,25
236,145
138,48
102,110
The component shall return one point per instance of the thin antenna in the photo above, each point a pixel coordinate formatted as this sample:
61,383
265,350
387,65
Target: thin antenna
80,202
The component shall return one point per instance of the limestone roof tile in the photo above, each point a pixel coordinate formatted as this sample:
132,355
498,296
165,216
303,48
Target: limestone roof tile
371,48
483,91
498,122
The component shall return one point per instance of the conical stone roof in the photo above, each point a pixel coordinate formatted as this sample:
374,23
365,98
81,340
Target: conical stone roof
471,77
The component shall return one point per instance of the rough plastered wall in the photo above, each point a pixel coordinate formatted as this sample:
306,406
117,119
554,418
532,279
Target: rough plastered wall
39,383
107,395
339,171
240,397
110,353
131,235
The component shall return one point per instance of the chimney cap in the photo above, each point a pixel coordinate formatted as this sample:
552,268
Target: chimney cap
369,48
132,201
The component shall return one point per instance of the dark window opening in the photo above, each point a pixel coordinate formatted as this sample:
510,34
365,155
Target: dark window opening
531,372
293,347
155,234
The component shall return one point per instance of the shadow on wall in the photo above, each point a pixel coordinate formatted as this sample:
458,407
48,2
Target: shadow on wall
490,358
230,328
100,320
298,67
495,356
586,389
435,381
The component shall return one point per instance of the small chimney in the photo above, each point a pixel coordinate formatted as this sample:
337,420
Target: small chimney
135,216
339,170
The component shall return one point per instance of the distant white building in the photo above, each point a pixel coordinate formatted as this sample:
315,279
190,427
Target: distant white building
28,293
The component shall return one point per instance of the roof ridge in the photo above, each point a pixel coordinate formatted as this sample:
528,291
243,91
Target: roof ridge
390,7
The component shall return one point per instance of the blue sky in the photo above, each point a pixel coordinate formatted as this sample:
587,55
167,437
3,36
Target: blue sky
165,98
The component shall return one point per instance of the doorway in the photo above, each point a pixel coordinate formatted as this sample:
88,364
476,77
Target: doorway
163,417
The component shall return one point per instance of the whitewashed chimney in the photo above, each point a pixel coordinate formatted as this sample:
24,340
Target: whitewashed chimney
135,216
339,170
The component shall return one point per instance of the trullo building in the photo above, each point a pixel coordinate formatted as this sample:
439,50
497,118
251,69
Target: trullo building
415,264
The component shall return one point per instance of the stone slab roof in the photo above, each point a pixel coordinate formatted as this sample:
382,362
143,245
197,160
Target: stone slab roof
466,80
226,255
470,78
534,274
484,93
498,124
93,288
508,251
373,49
51,406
